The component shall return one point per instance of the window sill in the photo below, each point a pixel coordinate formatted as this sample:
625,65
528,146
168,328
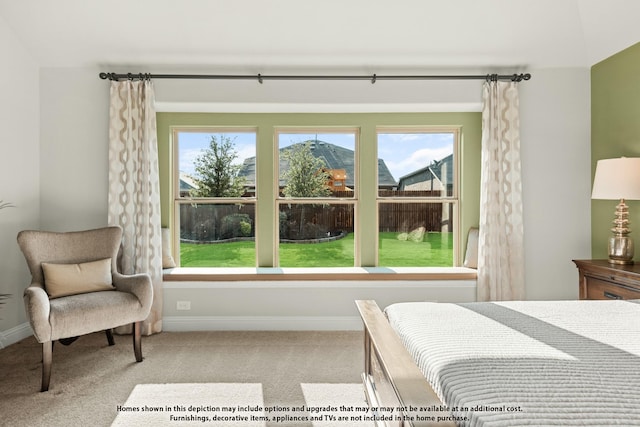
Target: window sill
204,274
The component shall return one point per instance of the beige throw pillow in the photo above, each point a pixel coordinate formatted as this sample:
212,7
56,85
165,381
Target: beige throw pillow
167,258
471,256
70,279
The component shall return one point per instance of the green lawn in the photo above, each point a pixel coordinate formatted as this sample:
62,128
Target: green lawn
436,249
235,254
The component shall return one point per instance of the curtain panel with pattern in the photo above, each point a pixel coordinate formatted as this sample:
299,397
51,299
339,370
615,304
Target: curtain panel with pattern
500,240
134,189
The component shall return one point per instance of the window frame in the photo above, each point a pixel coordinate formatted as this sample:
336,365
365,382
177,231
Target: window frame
468,163
280,200
453,199
178,200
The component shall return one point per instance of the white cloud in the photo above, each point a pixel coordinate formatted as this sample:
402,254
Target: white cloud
187,157
416,160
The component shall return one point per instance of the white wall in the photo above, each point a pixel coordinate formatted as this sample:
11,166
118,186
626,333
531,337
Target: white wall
556,173
310,305
19,174
74,149
555,145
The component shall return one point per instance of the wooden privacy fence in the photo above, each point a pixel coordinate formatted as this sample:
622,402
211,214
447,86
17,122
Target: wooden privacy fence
202,221
394,217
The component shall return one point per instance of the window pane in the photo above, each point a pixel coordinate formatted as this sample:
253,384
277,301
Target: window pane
420,164
217,164
415,234
315,235
316,164
217,235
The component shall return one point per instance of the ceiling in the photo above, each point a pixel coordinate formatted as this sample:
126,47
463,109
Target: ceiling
263,36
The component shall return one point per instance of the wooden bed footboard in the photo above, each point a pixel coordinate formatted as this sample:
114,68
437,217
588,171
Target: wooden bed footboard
392,379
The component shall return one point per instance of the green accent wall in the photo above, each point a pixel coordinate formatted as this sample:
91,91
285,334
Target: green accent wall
615,132
470,124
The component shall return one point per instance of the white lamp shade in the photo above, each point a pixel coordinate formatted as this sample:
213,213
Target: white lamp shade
617,179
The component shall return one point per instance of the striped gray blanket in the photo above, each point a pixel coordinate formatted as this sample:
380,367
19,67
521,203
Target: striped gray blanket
529,362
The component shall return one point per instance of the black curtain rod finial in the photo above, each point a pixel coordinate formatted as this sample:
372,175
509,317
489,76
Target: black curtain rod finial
108,76
520,77
513,78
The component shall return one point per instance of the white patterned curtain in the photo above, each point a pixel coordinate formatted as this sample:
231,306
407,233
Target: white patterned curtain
500,240
134,190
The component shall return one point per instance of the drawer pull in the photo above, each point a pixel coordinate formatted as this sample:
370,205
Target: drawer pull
611,295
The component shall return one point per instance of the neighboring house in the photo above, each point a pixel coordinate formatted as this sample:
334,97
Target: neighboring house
187,184
337,179
435,177
338,160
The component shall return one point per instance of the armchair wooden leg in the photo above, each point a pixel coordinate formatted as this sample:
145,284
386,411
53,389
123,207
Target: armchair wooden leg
137,341
109,333
47,356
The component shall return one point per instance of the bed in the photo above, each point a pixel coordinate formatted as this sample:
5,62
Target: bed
503,364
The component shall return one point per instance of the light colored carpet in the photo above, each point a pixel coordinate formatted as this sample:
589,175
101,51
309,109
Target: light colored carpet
217,405
239,404
90,379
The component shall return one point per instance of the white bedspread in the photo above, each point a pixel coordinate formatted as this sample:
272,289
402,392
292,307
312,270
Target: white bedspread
528,363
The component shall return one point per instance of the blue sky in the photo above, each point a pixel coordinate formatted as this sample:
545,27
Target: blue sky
402,153
408,152
192,144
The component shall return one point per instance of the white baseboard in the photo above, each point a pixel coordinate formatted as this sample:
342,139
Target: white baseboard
15,334
261,323
225,323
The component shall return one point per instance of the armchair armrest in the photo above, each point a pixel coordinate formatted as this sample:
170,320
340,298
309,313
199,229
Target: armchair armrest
137,284
36,303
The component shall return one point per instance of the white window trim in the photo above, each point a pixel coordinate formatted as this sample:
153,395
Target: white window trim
176,200
454,199
328,200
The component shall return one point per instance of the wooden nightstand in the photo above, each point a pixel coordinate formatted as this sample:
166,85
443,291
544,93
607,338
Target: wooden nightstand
601,280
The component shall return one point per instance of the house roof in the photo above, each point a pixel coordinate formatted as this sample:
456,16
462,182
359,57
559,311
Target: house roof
433,169
187,183
334,157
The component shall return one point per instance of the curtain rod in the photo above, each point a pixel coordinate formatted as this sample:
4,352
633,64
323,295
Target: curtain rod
261,78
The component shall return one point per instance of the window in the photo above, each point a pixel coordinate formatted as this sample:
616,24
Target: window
417,212
215,189
316,164
319,190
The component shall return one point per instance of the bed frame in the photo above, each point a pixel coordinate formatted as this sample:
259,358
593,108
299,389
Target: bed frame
391,378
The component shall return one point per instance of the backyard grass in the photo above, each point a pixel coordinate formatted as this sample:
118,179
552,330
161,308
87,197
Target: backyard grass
436,250
235,254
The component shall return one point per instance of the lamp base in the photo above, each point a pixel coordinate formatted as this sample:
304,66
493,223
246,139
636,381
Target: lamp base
620,250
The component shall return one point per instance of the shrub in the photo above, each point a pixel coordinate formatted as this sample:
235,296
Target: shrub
235,225
283,228
205,230
245,229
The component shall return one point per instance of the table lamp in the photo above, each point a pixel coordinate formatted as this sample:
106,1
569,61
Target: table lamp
618,179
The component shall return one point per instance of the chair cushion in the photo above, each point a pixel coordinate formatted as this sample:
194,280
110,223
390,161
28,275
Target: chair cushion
72,279
94,311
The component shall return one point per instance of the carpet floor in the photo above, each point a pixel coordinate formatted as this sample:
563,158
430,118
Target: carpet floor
92,382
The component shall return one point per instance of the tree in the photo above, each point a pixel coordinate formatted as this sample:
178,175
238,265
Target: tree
305,176
215,173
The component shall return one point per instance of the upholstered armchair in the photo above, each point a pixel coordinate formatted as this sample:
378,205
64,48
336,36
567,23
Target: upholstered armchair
76,289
